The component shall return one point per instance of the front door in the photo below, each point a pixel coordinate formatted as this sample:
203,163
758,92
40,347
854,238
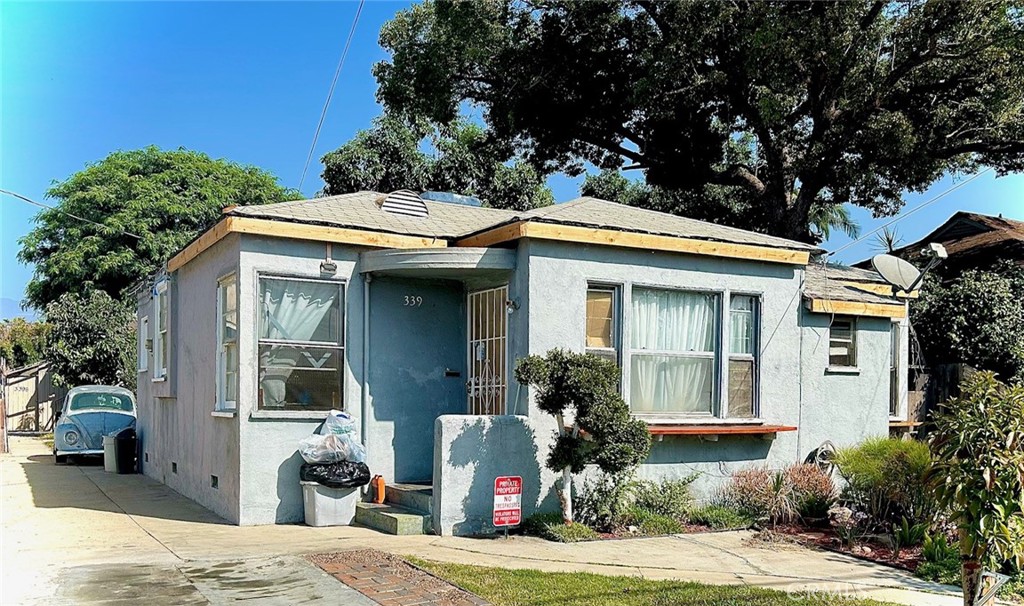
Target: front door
487,332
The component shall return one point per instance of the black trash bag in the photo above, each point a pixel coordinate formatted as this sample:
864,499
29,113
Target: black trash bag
343,474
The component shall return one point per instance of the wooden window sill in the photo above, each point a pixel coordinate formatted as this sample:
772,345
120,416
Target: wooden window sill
716,430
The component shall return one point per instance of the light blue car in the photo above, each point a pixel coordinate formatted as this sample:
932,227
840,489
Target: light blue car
89,413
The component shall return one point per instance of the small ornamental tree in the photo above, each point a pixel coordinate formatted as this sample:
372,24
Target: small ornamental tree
602,433
978,474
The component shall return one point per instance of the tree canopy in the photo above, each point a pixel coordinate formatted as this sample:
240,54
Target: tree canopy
976,318
784,108
166,197
465,160
91,340
22,342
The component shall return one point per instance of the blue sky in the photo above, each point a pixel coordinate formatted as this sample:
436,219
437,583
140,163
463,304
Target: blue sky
244,81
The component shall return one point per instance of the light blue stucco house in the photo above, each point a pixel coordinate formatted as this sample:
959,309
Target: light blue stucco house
737,348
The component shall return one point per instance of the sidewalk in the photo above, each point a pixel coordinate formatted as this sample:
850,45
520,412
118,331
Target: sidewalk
80,523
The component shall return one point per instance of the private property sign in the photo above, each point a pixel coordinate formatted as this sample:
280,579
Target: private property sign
508,501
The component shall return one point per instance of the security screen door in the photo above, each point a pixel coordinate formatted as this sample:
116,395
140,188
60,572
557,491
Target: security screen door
487,332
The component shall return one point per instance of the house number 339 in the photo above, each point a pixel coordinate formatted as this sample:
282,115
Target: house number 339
413,300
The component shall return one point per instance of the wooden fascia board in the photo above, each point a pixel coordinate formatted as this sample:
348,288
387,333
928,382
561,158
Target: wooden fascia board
879,289
611,237
857,308
298,231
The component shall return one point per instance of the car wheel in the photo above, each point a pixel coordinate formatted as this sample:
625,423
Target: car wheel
60,459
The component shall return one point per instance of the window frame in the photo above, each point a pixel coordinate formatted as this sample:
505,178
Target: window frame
715,356
755,357
161,337
142,357
852,342
616,328
341,346
223,404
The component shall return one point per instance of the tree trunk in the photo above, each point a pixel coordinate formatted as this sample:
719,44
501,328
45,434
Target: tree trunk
971,572
566,496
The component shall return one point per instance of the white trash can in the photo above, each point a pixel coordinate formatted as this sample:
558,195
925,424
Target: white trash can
327,506
109,455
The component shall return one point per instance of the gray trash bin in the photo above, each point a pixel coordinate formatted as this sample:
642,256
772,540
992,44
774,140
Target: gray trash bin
327,506
109,454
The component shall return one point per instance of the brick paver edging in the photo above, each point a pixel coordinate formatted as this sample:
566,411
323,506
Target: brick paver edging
391,581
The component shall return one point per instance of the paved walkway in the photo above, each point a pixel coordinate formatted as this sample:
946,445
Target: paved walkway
73,535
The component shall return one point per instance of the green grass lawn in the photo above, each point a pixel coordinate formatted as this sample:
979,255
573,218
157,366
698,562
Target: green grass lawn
521,587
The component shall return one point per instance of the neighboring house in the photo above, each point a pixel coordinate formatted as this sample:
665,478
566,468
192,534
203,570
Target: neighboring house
30,398
734,347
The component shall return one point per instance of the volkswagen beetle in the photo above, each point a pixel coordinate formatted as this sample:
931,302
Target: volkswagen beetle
89,413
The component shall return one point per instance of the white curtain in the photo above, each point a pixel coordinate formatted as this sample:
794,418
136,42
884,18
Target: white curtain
293,310
667,321
741,330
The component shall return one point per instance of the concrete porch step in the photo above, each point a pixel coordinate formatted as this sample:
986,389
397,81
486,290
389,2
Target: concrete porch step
418,497
393,519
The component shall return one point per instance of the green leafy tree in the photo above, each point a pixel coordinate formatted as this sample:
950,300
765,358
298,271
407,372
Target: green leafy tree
978,475
603,433
166,197
976,319
22,342
91,340
787,106
463,160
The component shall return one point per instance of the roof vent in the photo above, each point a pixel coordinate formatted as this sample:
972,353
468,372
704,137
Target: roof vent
405,202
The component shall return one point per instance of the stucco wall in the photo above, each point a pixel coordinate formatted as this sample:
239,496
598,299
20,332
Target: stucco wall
180,431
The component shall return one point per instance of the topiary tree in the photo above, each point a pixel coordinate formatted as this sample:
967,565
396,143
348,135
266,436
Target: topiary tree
603,433
978,474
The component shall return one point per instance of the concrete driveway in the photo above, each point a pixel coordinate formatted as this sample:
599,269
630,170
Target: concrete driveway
78,535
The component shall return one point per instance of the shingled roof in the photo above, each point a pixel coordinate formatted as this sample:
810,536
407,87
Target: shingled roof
362,210
830,282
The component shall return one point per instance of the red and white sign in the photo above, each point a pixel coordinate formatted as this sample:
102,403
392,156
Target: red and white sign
508,500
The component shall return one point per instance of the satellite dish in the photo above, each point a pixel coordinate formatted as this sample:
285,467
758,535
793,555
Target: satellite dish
404,202
896,271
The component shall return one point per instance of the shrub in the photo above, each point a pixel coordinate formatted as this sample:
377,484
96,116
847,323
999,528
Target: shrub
719,517
762,494
550,526
668,498
814,492
603,500
906,534
651,524
886,479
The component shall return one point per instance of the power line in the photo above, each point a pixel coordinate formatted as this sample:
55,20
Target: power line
330,92
909,212
57,210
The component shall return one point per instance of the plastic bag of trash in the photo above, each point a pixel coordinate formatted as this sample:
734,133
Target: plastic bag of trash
344,474
331,449
339,423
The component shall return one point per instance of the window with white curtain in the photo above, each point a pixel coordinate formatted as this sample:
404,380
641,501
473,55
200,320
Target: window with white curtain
301,343
227,343
672,351
161,337
743,350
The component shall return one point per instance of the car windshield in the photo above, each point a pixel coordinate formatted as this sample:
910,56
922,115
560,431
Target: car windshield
101,401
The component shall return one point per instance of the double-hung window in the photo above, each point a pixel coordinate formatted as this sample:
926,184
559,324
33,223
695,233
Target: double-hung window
227,343
602,323
842,342
673,351
301,343
161,337
143,336
743,350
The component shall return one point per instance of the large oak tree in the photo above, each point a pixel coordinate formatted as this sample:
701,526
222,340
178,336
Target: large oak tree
791,108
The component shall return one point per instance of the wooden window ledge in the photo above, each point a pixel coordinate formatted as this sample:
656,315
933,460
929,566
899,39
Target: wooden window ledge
716,430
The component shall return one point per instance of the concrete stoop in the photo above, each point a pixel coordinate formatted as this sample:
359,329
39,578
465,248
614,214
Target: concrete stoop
406,510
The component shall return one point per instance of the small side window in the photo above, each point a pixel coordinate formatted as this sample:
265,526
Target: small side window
143,336
161,346
842,342
602,322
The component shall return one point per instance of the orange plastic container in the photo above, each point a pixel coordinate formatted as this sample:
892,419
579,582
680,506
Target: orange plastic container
378,488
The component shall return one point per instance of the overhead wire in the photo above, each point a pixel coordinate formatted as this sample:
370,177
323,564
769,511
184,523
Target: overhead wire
330,92
64,212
